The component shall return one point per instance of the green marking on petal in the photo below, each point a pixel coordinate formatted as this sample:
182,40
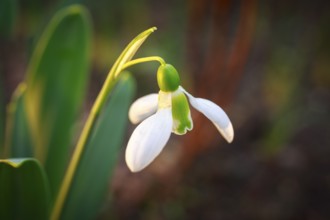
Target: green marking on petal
168,78
181,113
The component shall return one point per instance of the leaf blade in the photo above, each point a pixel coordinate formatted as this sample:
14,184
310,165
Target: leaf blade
88,187
24,190
18,137
56,82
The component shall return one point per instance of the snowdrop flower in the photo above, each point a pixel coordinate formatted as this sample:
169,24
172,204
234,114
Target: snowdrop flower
166,112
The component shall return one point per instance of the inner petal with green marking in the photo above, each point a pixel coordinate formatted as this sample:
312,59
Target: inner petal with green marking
181,113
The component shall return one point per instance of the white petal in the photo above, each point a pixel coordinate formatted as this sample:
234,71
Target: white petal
213,112
143,107
148,140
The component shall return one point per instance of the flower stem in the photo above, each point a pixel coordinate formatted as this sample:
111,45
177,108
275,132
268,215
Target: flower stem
144,60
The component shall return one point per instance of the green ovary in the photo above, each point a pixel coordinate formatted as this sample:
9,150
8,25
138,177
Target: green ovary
168,78
181,113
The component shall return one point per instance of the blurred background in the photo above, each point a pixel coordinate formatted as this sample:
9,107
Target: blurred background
267,63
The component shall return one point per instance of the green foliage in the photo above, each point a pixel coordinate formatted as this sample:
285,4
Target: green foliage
24,190
18,138
89,185
56,82
40,119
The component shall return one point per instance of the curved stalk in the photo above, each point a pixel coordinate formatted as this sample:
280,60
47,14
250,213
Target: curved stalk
143,60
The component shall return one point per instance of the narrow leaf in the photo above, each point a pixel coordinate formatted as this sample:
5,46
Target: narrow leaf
18,137
56,82
90,182
24,190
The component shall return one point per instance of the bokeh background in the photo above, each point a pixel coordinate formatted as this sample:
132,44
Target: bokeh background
267,63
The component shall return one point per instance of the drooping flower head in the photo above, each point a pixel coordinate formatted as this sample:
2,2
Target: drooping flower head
164,113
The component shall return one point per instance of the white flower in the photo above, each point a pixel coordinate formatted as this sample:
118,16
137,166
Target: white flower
162,114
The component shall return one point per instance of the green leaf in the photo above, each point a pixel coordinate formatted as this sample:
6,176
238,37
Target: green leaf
90,182
18,137
24,190
56,82
8,11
